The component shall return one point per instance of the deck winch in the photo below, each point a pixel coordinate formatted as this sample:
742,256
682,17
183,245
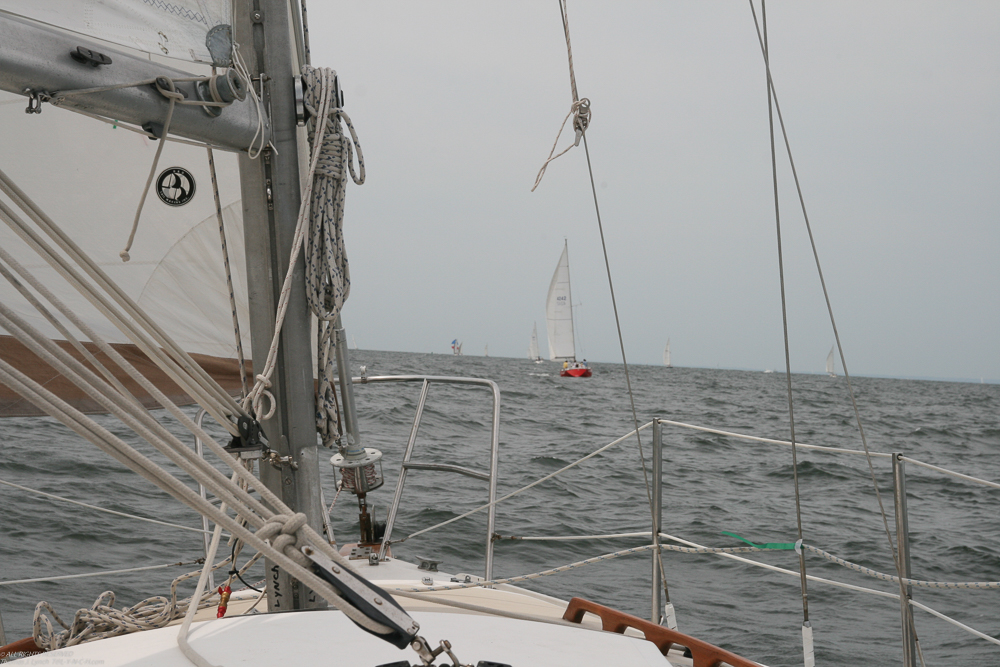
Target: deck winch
361,471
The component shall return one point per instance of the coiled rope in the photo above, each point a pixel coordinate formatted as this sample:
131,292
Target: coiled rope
328,276
102,619
321,207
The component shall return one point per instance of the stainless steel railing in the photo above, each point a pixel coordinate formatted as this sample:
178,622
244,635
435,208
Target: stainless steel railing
407,465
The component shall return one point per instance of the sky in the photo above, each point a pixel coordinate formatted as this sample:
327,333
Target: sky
893,114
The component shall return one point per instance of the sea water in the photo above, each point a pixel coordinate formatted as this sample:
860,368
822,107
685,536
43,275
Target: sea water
712,483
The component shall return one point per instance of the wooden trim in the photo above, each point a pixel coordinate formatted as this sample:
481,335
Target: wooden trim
612,620
20,649
224,371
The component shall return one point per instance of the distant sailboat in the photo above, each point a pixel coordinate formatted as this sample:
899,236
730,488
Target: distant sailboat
456,348
355,341
486,352
533,352
559,321
829,363
666,355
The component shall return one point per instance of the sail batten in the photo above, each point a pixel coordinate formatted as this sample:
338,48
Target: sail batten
559,312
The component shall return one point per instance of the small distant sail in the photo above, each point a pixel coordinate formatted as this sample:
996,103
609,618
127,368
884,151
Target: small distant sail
666,355
559,312
533,352
486,352
829,363
456,347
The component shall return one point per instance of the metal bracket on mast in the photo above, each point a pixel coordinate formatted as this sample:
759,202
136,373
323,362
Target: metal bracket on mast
271,194
36,59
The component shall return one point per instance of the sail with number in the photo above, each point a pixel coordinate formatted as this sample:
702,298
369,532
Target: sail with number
193,30
533,352
829,363
559,312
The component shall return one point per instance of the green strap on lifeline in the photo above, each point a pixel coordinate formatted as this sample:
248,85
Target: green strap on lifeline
769,545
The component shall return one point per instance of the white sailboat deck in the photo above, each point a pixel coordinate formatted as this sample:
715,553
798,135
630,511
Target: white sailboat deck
299,637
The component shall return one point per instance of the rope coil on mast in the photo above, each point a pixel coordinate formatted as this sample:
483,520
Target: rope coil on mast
328,276
327,291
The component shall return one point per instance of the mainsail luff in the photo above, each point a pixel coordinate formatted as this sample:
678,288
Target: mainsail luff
559,312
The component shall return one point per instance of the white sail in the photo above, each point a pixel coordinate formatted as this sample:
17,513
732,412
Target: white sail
175,274
666,354
176,29
559,312
829,362
533,352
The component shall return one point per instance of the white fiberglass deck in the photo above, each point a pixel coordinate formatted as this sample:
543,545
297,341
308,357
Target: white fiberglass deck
329,638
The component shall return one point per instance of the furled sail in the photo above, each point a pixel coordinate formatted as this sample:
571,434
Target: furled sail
190,30
88,177
559,312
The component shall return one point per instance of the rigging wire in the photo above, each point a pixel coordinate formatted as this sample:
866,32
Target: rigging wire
582,120
772,93
784,325
229,276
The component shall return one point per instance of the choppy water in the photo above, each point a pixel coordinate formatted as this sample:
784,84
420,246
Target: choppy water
711,484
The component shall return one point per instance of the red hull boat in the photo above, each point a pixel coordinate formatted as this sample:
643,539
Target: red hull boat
583,372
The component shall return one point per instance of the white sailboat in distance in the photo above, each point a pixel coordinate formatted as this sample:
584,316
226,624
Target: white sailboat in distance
666,355
533,352
829,363
559,319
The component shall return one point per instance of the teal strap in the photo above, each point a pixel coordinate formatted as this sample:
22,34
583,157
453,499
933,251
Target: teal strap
770,545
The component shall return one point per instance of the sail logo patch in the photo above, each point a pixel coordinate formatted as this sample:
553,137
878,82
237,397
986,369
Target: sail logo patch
175,186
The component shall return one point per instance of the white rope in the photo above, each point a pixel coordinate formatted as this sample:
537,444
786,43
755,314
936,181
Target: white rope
240,67
174,96
328,277
918,583
182,634
287,532
47,314
103,294
102,509
103,620
260,389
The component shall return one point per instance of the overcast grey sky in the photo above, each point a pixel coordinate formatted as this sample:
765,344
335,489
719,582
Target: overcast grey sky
893,110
